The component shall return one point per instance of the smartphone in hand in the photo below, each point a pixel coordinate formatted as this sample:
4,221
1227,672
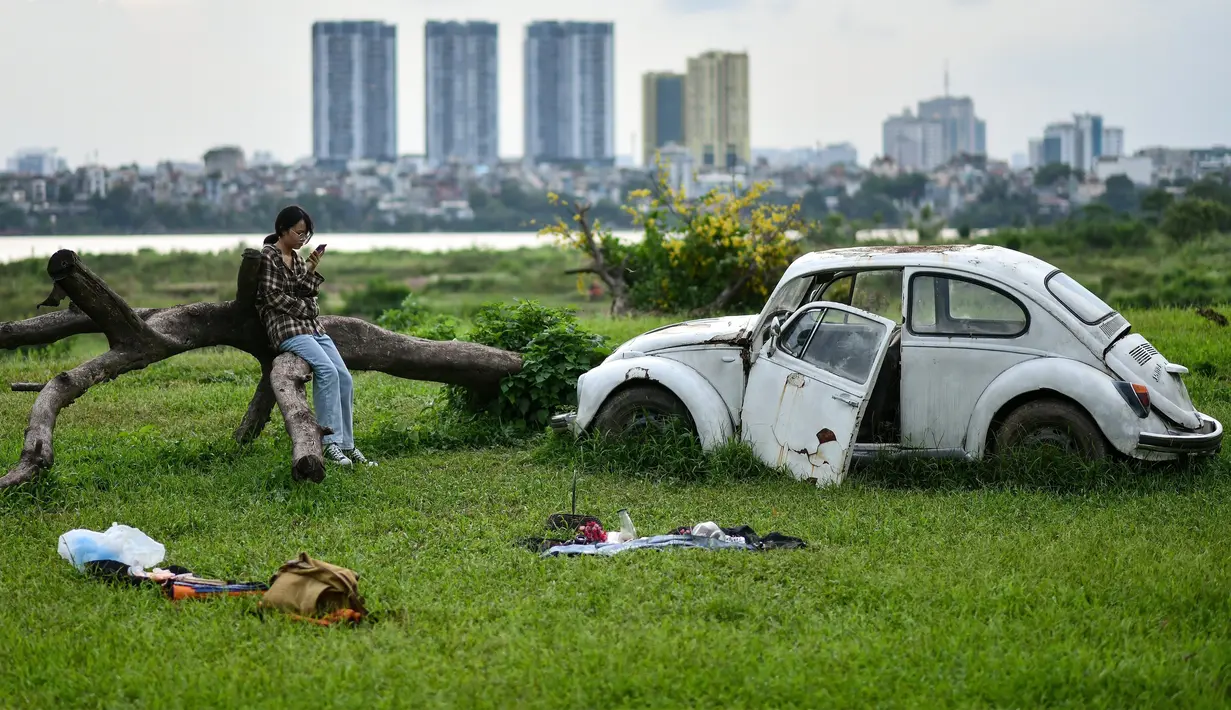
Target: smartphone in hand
320,249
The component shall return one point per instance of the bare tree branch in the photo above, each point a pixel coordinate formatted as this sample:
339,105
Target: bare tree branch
105,307
63,390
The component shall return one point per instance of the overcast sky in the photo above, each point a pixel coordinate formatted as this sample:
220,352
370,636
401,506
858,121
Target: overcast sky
147,80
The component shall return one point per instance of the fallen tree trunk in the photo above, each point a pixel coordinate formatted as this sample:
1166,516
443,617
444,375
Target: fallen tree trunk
140,337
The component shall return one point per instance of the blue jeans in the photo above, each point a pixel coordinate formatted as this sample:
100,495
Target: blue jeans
333,390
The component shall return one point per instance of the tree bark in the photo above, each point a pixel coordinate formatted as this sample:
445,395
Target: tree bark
290,374
259,409
140,337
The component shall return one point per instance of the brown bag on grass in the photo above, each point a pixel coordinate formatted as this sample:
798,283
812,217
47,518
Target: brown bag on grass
312,587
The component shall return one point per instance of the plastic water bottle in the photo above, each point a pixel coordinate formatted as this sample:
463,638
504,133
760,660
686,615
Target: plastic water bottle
627,531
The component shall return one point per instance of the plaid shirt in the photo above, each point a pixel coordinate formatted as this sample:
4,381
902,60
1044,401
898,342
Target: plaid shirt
286,298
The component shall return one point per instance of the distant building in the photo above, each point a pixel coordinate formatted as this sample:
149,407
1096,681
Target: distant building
837,154
262,158
42,162
912,143
1139,169
1113,142
225,162
354,91
95,180
1080,143
1089,145
1034,153
461,92
980,137
959,125
662,113
570,92
1060,144
1207,161
716,110
1170,163
678,163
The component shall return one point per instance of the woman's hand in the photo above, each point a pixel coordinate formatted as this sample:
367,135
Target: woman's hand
313,259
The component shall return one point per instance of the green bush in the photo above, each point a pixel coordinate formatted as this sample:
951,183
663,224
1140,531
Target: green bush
378,296
413,318
1190,218
555,351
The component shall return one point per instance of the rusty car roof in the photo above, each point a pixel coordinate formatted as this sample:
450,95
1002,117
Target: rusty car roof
997,262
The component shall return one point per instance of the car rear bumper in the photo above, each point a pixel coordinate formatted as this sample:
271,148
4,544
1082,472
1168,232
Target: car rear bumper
1207,440
563,423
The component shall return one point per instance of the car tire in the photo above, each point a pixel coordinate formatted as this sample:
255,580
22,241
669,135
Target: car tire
623,412
1052,422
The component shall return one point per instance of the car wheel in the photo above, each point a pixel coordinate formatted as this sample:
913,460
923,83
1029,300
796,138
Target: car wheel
640,408
1052,423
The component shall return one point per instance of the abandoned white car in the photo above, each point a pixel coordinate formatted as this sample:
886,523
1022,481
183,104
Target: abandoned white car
954,350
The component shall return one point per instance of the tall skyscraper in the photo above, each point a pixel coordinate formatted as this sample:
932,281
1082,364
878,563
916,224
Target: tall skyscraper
462,99
354,91
914,143
716,112
1060,144
1113,142
959,125
662,113
1089,140
570,92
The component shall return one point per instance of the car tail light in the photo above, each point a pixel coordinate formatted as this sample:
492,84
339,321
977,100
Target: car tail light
1136,396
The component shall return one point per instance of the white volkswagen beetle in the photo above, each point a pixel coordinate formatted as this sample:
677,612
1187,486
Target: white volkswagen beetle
953,350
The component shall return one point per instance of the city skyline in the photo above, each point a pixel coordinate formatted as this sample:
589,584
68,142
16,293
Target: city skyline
245,79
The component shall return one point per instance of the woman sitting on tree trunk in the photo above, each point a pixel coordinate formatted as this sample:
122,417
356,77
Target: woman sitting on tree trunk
286,301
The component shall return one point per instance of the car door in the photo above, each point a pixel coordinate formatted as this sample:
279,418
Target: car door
807,391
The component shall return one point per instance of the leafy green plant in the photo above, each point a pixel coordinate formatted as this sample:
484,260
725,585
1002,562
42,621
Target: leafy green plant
1190,218
413,318
555,351
376,297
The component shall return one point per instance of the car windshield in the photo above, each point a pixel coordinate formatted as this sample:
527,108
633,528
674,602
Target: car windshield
1077,298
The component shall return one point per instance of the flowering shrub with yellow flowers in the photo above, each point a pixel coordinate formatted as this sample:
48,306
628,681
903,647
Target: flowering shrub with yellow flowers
721,252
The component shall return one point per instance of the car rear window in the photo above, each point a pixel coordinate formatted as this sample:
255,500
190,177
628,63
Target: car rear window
1077,298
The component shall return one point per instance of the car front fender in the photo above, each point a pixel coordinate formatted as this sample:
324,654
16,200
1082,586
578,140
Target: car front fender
1085,385
707,408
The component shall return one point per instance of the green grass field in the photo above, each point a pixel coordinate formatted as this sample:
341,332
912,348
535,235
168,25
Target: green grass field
1037,584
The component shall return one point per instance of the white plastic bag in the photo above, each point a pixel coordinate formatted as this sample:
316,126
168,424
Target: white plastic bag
120,543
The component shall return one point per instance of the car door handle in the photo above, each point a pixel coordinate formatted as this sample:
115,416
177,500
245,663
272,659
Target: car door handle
847,400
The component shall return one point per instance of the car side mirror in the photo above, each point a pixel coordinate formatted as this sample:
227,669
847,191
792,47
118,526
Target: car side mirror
773,333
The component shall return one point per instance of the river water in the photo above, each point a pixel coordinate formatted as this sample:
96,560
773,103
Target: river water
17,248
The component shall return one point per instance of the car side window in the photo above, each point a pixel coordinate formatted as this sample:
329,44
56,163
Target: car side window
879,292
796,335
946,306
841,343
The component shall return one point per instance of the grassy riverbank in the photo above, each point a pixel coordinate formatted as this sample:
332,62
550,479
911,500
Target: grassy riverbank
1035,584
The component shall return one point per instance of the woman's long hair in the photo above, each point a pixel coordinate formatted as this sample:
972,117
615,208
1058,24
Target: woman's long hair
287,218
